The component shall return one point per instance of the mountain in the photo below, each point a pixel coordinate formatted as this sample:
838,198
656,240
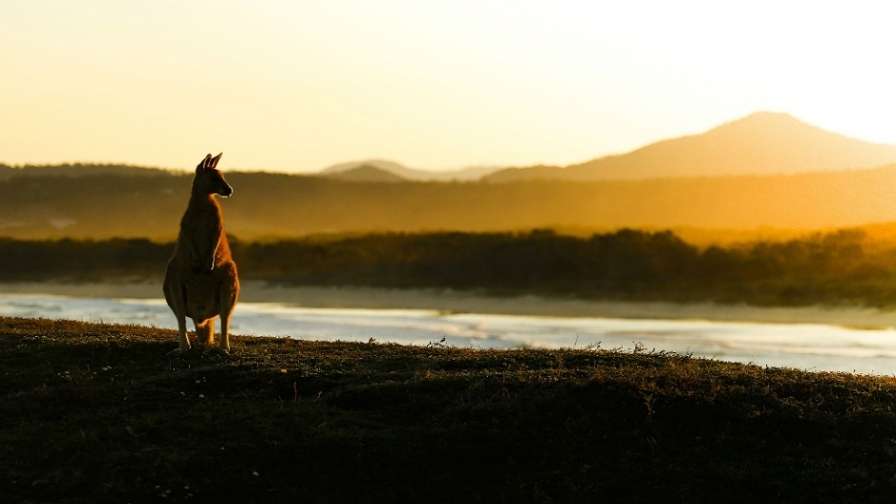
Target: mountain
762,143
464,174
380,164
365,173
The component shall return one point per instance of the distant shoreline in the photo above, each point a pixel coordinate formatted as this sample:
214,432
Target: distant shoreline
476,302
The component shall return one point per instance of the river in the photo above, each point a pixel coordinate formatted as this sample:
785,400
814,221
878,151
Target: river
810,346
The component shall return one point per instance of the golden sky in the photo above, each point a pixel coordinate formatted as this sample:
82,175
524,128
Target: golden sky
298,85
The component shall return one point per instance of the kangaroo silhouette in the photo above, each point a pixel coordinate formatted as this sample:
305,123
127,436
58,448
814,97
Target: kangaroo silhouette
201,281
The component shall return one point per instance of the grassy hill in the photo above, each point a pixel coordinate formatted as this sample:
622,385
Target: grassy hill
101,413
276,205
763,143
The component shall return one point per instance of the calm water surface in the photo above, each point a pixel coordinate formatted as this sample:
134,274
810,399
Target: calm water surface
808,346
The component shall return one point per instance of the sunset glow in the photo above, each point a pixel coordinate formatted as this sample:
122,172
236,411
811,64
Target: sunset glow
300,85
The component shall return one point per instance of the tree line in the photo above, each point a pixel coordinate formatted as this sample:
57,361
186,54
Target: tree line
839,267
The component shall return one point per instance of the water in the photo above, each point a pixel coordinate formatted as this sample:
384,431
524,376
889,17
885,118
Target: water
808,346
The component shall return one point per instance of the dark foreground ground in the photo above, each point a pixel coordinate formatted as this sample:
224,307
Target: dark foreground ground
100,413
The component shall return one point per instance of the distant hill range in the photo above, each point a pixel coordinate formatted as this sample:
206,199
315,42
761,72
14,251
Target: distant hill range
763,171
764,143
397,169
365,173
79,170
373,170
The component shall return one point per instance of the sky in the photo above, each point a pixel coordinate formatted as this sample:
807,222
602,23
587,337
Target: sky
299,85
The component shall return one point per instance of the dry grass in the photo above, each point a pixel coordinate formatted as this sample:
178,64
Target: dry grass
100,413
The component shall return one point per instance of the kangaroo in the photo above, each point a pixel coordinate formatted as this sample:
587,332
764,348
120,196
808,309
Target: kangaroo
201,281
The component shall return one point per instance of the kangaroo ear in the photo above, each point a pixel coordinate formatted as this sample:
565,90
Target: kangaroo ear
203,165
213,162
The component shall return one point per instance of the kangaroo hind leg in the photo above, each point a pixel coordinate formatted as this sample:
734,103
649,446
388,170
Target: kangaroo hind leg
228,301
177,300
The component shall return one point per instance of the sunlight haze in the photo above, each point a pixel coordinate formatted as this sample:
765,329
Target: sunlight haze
297,86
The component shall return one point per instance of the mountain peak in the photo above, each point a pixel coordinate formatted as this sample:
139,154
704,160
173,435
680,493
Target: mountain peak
768,115
762,143
382,164
764,120
364,173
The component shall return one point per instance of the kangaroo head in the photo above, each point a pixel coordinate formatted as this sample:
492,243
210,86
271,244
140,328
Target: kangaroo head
208,179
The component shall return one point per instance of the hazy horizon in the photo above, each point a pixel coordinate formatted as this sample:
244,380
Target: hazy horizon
287,86
796,121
